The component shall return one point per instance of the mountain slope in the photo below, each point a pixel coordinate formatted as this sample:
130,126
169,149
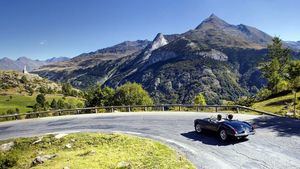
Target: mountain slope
8,64
95,67
215,32
216,58
57,59
18,65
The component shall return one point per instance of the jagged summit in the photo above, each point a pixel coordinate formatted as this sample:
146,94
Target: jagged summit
158,41
213,20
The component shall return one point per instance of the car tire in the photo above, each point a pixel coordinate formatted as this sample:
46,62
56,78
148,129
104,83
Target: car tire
198,128
223,134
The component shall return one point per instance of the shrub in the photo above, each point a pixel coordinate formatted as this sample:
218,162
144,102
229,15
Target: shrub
41,100
53,104
132,94
10,111
200,100
263,94
246,101
8,160
100,97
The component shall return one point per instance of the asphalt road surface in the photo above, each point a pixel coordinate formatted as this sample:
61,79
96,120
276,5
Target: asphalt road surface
276,143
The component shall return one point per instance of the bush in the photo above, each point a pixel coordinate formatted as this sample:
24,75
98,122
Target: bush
10,111
41,100
8,161
24,79
263,94
132,94
245,101
281,86
200,100
53,104
43,90
100,97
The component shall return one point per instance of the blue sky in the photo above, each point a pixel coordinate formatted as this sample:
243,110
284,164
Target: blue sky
40,29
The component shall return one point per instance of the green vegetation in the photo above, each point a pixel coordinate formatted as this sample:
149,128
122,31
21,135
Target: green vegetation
275,68
16,82
127,94
68,90
25,103
92,150
281,73
279,105
132,94
200,100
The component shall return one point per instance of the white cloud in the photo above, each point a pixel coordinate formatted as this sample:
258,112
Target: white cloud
43,42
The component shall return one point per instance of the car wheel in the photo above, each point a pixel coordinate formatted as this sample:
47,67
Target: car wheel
198,128
223,135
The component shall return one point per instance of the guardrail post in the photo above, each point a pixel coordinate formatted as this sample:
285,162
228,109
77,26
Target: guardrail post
197,108
162,108
112,109
129,109
96,110
179,107
216,109
237,109
145,108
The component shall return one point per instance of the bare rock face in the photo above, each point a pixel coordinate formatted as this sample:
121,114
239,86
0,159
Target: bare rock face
7,146
38,140
68,146
124,165
42,159
216,55
158,42
60,135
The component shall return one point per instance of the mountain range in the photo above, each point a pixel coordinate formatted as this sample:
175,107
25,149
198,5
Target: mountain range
216,58
18,64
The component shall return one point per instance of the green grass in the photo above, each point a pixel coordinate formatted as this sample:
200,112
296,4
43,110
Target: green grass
277,105
109,150
25,102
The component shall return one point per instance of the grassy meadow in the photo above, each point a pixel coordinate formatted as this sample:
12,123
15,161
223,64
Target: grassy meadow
278,105
25,102
92,150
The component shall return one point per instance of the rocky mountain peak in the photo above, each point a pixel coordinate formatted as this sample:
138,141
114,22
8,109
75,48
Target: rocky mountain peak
213,21
23,58
159,41
5,59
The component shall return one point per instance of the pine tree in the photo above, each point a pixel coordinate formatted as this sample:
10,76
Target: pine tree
274,69
54,104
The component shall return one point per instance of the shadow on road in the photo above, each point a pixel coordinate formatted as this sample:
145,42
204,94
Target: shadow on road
284,126
210,138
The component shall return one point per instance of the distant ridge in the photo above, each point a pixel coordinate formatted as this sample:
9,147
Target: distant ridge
18,64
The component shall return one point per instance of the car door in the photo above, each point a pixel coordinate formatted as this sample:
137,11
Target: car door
213,125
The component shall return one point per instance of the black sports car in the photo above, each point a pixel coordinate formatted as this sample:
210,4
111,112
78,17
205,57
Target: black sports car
225,127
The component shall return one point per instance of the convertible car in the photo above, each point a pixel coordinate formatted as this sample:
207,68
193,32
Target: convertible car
225,127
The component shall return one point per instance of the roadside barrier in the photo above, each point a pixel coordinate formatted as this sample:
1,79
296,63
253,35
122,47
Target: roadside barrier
111,109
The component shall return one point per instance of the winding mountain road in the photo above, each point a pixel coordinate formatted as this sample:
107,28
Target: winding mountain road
276,143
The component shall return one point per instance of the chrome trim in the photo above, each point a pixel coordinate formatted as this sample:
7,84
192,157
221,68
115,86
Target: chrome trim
245,134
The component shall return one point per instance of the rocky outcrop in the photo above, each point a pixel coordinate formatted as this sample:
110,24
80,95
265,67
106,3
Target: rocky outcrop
42,159
7,146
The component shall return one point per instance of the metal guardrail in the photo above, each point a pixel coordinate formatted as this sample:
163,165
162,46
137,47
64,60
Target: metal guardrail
110,109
